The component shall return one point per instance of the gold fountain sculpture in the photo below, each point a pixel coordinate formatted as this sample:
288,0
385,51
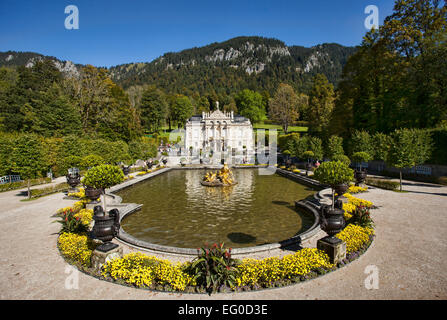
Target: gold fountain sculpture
220,178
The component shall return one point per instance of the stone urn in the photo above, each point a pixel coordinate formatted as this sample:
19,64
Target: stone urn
106,227
341,189
126,170
360,176
308,168
93,194
332,221
73,181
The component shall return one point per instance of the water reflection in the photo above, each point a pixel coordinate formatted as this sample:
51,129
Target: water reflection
179,211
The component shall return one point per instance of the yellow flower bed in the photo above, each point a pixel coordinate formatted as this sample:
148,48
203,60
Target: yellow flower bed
358,202
76,247
355,189
86,216
80,204
80,194
348,208
141,270
254,271
355,237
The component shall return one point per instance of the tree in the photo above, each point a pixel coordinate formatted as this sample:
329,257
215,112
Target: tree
285,106
250,104
316,146
28,158
361,142
153,108
334,147
361,157
182,109
381,145
333,173
410,147
321,104
397,78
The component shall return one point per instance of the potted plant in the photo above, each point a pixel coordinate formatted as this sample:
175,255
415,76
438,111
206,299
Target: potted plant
336,174
359,174
308,155
102,177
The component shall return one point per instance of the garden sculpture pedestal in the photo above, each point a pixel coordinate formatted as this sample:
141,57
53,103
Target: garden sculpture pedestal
333,247
101,257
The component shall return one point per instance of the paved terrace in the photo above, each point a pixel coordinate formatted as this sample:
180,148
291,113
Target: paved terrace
410,252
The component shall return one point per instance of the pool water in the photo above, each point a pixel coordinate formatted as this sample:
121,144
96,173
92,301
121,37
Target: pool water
178,211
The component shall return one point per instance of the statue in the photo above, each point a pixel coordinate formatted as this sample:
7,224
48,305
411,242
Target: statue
221,178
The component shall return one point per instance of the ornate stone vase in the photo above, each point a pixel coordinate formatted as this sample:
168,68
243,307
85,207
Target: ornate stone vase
341,189
73,181
93,194
106,227
126,170
332,220
360,176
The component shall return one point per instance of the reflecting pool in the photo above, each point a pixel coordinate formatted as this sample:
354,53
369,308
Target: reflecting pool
178,211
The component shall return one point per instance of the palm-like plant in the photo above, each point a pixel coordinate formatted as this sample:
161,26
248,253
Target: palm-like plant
214,267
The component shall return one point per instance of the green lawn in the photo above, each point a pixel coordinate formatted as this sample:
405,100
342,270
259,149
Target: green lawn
255,127
278,127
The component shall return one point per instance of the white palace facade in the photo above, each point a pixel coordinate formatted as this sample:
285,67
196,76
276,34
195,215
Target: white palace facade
219,132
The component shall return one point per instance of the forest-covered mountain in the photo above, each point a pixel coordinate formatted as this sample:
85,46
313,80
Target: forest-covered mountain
245,62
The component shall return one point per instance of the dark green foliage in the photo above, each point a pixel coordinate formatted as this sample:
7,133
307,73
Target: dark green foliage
439,138
153,109
398,76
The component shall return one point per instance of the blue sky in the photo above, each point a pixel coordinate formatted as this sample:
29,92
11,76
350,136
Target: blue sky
116,31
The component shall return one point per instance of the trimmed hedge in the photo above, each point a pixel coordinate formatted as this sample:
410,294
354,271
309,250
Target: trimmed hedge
23,184
383,184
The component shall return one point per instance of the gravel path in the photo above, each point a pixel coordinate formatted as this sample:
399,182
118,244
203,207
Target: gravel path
410,253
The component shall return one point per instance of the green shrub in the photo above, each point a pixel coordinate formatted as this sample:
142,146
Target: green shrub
333,173
103,176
